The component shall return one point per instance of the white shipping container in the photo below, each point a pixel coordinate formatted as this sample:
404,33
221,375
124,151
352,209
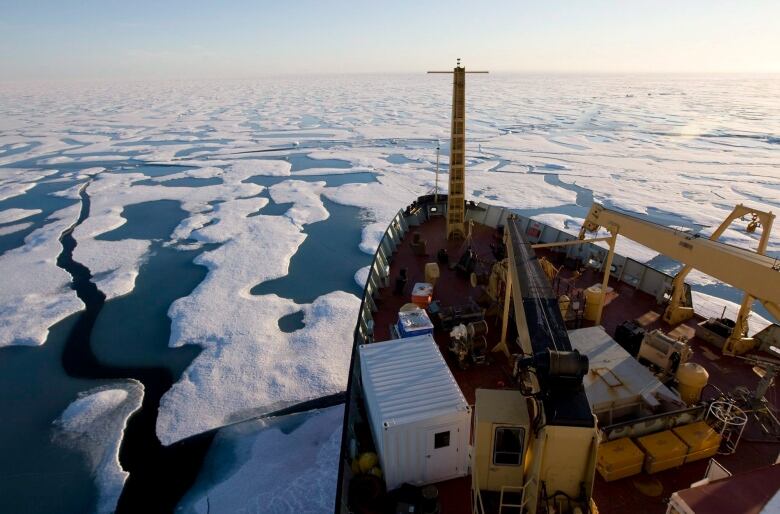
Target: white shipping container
418,415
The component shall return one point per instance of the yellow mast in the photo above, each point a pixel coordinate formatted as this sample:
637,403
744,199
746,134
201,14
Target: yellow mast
456,199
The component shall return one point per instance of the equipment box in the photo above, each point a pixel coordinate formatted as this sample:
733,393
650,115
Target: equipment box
663,450
714,331
414,323
419,419
701,439
619,459
422,294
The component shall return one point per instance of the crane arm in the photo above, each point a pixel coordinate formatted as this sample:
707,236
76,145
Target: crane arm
678,309
756,274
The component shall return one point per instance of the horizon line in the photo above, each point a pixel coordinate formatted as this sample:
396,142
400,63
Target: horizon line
301,74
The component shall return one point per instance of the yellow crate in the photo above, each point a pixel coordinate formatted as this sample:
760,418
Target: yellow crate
664,450
701,439
619,459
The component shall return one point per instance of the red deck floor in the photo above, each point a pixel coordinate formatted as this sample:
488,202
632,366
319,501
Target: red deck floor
639,494
726,373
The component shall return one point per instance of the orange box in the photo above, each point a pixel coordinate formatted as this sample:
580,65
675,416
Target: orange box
422,294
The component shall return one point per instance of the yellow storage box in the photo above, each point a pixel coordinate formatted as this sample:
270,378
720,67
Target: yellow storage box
663,450
619,459
432,273
701,439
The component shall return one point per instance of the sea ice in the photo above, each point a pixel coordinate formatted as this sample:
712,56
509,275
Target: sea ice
10,215
10,229
15,181
34,292
95,424
361,275
710,306
305,196
266,167
248,365
118,262
115,264
277,465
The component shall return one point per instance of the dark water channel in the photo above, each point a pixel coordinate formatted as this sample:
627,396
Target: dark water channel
159,475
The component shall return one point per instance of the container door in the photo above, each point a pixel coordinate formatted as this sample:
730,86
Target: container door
506,458
441,456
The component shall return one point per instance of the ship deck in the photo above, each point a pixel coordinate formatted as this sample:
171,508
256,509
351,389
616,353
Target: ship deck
643,493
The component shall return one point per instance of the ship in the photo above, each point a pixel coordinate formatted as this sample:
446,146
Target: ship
501,365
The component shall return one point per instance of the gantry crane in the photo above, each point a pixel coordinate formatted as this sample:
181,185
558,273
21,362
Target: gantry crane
751,271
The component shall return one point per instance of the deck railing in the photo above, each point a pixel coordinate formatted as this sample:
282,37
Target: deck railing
378,277
624,269
477,507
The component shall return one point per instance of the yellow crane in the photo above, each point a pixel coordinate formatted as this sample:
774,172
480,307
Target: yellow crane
753,272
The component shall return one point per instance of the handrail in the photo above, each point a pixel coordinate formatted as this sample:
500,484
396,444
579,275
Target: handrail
341,505
476,496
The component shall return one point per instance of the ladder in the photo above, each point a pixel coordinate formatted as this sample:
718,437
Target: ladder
522,489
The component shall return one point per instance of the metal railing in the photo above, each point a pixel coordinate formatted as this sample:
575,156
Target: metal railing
522,489
477,507
632,272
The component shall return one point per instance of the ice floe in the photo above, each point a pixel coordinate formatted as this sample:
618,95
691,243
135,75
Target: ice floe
11,215
114,264
34,292
361,275
16,181
279,465
95,424
248,365
17,227
267,167
305,196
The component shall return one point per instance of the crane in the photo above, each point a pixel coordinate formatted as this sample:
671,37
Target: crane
757,274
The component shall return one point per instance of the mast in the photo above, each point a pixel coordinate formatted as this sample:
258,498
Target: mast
436,187
456,199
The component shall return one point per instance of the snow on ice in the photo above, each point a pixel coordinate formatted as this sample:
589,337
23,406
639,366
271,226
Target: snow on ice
95,424
278,465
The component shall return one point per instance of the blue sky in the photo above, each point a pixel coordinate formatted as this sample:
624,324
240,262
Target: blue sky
242,38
